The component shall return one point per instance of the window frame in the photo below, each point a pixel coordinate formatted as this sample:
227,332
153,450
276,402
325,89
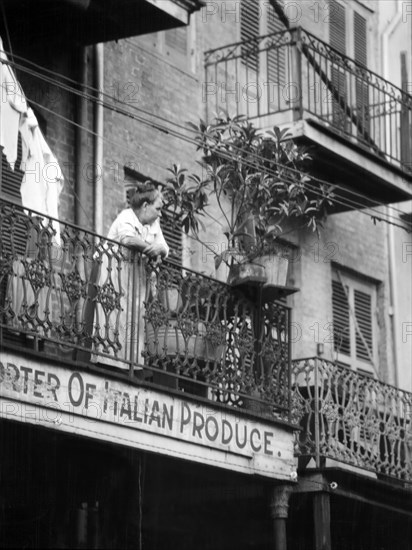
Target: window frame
355,91
355,283
266,64
350,11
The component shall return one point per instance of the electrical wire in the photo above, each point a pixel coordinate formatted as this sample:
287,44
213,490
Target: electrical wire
346,202
169,131
163,119
177,134
376,216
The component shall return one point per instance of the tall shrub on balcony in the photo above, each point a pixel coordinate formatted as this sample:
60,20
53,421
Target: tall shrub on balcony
259,181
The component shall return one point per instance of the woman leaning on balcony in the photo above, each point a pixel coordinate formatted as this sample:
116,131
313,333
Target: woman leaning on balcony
139,226
118,329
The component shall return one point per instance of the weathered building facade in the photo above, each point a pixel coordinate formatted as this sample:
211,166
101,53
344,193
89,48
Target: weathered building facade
176,435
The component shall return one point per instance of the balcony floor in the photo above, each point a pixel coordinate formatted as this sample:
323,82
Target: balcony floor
353,167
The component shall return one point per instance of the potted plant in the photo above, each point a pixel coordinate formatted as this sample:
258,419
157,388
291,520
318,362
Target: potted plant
181,329
258,183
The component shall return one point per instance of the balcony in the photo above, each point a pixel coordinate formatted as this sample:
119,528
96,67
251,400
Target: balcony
347,115
353,419
91,303
91,21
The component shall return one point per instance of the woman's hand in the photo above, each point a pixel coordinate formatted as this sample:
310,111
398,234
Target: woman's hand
154,250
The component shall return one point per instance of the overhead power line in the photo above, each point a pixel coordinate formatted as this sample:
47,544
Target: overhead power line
163,129
171,131
167,129
375,215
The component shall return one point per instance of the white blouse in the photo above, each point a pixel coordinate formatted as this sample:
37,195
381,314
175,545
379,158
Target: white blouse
127,224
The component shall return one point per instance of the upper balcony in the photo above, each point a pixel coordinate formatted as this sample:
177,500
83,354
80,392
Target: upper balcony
93,304
351,419
92,21
349,116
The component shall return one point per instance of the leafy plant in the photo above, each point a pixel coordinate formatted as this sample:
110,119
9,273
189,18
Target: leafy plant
261,176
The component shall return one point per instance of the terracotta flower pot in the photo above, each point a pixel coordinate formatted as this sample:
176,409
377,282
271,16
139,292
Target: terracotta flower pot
171,299
276,268
246,272
170,341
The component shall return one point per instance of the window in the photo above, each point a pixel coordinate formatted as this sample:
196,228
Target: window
361,86
347,30
276,56
10,190
263,65
337,39
249,29
354,327
348,35
171,231
11,179
258,19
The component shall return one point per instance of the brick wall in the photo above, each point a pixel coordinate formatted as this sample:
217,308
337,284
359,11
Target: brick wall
351,241
57,103
140,73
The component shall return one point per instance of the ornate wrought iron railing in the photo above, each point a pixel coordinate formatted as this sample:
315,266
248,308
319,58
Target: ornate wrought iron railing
292,75
70,292
352,418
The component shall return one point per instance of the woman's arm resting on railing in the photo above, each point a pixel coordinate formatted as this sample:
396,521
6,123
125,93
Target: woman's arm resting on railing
158,247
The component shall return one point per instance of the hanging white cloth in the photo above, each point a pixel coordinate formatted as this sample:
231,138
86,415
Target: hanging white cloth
43,179
12,107
40,189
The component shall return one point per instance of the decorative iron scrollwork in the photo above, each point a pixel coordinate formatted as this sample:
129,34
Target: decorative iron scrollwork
353,418
74,286
108,297
37,273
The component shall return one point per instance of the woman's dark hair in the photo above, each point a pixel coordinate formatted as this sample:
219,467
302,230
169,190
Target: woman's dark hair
144,192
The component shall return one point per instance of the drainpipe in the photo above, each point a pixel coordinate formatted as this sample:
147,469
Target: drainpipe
81,217
393,308
98,139
390,230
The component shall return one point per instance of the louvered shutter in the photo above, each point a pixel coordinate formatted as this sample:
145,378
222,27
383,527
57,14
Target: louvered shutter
173,235
362,91
360,47
337,26
11,179
341,319
339,108
363,313
249,29
10,190
276,55
337,39
353,306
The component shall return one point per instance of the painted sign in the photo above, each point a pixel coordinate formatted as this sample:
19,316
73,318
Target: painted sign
113,410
